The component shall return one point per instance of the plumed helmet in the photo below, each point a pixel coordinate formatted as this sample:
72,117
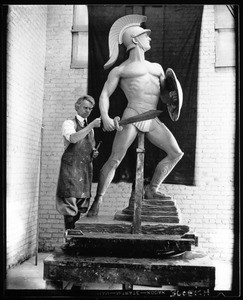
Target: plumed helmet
130,33
122,32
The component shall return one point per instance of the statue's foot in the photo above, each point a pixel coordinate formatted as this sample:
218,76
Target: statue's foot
153,194
94,209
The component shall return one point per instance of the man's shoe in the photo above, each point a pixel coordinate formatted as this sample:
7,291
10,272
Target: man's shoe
69,222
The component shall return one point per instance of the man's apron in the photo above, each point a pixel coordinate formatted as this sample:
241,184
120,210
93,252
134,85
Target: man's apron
76,171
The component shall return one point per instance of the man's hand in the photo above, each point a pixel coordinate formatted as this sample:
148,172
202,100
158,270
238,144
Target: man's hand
95,153
96,122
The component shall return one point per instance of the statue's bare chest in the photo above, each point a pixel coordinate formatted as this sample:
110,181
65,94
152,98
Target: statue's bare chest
138,77
137,69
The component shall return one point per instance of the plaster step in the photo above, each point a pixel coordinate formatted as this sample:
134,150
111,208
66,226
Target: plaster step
157,207
107,224
156,202
158,212
146,218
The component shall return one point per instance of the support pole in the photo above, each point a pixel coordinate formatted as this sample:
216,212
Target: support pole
39,192
139,184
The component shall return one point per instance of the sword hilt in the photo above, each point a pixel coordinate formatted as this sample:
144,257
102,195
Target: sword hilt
117,120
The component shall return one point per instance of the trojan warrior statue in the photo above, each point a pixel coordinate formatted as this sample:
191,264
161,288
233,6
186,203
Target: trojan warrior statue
144,84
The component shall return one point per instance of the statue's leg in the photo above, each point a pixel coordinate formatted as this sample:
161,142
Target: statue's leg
161,137
161,172
122,142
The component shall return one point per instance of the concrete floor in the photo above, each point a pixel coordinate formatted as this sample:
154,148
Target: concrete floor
30,276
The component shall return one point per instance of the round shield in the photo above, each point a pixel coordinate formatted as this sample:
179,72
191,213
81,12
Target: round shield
175,94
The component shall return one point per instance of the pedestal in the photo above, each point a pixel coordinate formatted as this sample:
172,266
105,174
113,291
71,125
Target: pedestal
192,270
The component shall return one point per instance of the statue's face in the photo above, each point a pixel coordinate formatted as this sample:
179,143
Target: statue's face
85,109
144,41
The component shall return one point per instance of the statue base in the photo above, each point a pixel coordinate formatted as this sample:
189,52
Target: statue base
153,210
105,236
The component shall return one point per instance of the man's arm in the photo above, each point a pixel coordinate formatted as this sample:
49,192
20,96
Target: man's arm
104,103
81,134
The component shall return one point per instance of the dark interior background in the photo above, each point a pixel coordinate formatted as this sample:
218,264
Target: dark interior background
175,34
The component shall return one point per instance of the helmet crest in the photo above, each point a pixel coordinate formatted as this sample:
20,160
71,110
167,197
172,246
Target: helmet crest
116,32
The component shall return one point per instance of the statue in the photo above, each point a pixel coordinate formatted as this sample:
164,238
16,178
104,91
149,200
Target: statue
144,84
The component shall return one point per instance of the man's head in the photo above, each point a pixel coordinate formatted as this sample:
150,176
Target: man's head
127,30
84,106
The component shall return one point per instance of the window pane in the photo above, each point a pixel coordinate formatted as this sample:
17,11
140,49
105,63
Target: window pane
80,37
223,17
80,50
225,48
80,16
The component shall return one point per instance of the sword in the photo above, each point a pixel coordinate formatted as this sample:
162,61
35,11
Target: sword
151,114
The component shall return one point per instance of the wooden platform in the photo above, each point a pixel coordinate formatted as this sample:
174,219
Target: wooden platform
191,270
107,224
126,245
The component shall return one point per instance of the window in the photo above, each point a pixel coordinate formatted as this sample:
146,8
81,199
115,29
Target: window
79,57
225,44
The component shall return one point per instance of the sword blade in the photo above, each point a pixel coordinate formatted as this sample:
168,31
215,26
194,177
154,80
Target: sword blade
151,114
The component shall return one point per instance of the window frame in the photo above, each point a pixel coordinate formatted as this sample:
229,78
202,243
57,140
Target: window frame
225,43
79,31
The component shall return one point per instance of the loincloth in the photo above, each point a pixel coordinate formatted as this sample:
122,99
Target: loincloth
143,126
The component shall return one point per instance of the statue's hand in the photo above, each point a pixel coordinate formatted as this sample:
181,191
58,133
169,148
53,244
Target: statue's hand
116,122
173,96
108,124
174,100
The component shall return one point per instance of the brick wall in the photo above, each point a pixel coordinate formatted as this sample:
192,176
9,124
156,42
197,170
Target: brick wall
25,82
214,191
208,206
62,88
